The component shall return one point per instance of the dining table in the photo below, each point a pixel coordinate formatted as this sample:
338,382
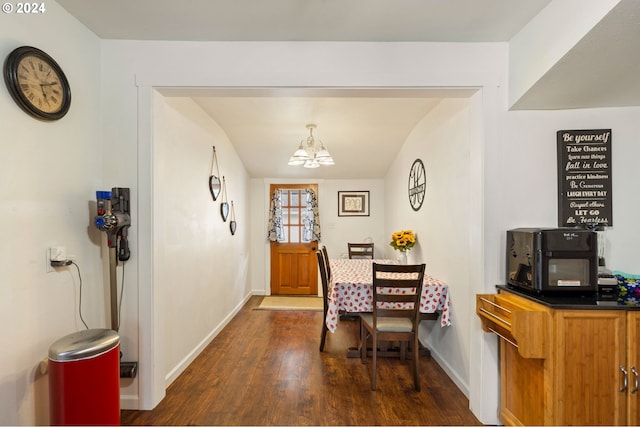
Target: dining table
352,291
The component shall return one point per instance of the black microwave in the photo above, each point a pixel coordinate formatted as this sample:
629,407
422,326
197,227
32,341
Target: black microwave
552,260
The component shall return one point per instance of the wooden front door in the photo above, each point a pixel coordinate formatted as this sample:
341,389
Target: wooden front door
294,265
294,269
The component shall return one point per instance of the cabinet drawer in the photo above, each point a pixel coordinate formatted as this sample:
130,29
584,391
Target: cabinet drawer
489,307
519,322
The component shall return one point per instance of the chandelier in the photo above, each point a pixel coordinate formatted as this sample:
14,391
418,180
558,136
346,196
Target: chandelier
311,153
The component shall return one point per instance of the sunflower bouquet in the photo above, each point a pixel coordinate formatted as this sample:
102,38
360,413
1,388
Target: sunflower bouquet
403,240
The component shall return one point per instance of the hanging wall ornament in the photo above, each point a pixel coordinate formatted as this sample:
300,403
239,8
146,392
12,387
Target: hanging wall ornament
232,223
224,206
214,178
417,184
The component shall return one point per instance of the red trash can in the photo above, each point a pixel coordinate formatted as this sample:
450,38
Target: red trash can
84,379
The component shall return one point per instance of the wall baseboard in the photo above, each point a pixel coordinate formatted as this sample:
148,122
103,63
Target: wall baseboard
189,358
129,402
442,361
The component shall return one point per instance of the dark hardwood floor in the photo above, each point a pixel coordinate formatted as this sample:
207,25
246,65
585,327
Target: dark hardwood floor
265,369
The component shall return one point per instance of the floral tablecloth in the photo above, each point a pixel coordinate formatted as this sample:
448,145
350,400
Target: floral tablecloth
351,291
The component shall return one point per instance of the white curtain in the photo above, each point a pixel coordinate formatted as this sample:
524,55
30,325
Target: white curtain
311,217
275,232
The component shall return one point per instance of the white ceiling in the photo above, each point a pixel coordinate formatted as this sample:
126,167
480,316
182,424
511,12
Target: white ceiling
363,129
266,127
306,20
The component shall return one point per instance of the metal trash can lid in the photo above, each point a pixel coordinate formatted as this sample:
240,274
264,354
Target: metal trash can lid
83,345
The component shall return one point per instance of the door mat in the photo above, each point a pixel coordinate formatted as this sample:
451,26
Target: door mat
290,303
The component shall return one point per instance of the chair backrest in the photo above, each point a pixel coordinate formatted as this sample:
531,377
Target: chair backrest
324,279
397,290
360,250
327,265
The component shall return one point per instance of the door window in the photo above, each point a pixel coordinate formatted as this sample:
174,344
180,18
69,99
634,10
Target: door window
294,209
293,216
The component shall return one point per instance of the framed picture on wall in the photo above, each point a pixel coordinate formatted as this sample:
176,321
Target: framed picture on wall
353,203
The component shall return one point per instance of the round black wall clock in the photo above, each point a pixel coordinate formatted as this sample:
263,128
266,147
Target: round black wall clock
37,83
417,184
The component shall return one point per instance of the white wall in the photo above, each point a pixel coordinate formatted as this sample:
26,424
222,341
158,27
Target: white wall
337,231
194,246
49,175
442,141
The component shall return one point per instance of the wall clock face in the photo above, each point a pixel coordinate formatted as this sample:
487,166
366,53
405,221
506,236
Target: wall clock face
37,83
417,184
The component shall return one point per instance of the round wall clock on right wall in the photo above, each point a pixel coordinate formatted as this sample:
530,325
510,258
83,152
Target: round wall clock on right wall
417,184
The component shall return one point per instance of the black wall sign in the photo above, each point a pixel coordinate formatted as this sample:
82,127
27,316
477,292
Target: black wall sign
584,178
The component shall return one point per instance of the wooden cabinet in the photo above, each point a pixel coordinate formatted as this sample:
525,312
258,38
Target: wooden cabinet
525,351
633,364
590,349
577,375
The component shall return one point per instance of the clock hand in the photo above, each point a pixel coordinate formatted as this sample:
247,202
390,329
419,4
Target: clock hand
44,93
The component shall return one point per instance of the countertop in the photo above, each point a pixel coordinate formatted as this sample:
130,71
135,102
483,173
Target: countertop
569,302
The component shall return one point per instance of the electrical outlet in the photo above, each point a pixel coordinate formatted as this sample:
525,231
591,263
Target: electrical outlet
55,253
58,253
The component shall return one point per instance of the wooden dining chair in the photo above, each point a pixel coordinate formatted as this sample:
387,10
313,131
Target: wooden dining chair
327,265
396,313
326,289
360,250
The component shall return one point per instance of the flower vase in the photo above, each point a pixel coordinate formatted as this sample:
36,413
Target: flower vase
403,257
